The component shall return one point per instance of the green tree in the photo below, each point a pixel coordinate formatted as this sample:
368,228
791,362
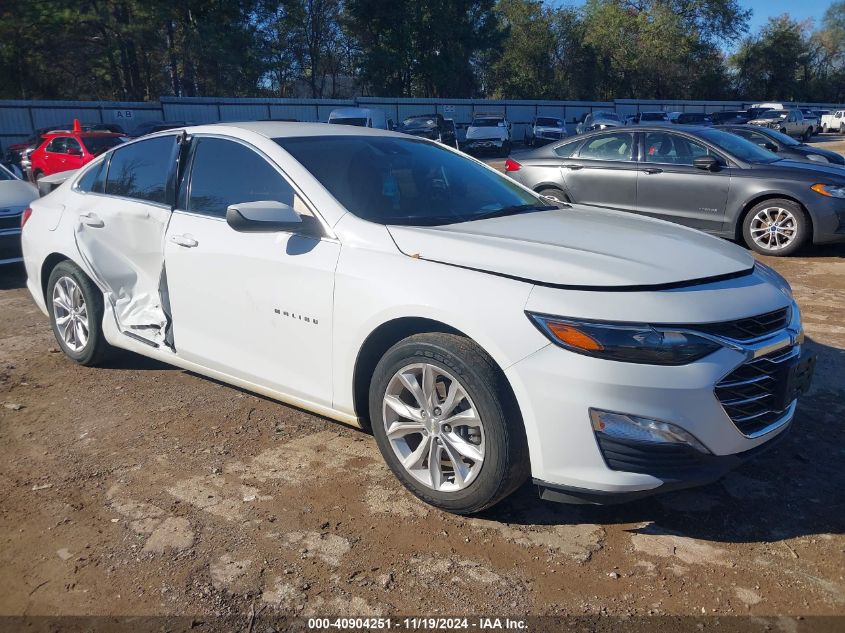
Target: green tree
426,48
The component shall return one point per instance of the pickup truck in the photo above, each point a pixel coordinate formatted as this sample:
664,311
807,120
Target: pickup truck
833,122
791,122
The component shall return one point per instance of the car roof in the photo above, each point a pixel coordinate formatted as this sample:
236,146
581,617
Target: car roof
285,129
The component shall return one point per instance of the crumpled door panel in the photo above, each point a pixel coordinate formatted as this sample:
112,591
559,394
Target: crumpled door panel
122,243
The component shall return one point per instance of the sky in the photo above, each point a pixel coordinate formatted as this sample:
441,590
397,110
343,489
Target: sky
765,9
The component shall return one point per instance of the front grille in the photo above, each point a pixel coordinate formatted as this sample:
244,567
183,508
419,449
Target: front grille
752,394
749,328
12,221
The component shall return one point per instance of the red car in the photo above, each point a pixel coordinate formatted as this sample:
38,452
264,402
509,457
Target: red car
61,151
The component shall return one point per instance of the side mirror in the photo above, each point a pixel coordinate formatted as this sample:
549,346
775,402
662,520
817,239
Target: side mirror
264,216
707,163
771,147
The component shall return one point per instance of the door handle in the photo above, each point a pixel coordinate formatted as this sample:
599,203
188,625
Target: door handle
92,220
653,170
572,166
184,240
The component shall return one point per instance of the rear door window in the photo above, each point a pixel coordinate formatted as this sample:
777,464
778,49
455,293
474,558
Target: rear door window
143,170
609,147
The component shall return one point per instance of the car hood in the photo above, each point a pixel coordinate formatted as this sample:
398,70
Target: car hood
487,132
15,194
578,247
809,170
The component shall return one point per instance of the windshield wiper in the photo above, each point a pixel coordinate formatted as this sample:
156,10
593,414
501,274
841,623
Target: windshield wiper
512,210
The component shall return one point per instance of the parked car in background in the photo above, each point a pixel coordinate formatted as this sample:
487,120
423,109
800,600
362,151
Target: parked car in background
820,113
64,151
543,129
598,120
488,133
693,118
811,118
15,196
151,127
705,178
833,122
430,126
650,117
483,335
360,117
731,117
789,122
783,145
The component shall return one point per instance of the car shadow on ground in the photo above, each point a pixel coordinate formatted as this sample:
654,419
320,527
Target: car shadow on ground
795,489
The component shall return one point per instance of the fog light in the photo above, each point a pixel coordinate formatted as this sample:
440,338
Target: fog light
623,426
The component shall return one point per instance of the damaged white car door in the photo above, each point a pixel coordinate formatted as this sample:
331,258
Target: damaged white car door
120,235
250,299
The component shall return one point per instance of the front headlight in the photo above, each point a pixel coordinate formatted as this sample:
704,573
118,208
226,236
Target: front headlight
831,191
627,343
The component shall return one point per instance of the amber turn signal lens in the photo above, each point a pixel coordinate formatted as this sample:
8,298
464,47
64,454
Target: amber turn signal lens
574,337
820,188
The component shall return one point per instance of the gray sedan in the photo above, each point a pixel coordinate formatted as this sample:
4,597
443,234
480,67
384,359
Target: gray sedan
700,177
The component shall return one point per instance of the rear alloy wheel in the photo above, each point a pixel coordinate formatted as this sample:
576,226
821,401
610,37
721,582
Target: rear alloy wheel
75,307
776,227
444,423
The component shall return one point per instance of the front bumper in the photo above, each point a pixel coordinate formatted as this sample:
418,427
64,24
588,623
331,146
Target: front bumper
828,215
678,468
484,144
570,462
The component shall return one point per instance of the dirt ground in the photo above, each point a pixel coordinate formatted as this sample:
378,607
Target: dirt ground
140,489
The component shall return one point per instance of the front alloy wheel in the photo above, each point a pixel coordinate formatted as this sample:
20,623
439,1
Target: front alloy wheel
775,227
433,427
446,422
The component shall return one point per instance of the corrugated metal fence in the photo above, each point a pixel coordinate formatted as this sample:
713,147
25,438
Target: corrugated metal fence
18,119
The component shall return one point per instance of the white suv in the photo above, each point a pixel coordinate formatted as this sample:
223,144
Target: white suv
392,283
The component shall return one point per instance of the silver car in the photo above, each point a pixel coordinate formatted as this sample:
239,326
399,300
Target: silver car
544,129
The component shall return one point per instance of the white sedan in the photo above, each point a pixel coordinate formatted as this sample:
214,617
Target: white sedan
392,283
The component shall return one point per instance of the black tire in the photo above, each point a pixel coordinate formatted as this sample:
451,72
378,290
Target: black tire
554,193
506,464
802,225
808,134
96,349
506,149
842,128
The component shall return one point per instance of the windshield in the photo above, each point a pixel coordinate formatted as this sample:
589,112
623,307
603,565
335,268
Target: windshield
406,181
652,116
607,116
692,117
742,148
359,121
485,122
549,122
773,114
99,144
420,121
6,175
